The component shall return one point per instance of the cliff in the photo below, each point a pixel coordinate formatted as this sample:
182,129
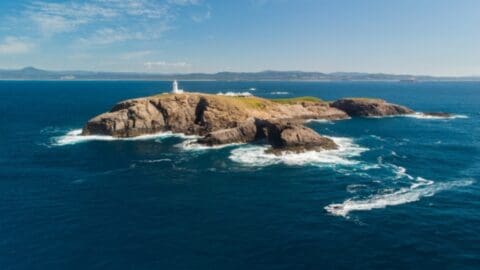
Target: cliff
226,119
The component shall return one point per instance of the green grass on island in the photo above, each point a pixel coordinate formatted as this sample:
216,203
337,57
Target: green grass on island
296,100
252,102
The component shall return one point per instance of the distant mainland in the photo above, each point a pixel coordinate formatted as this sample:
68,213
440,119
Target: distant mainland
31,73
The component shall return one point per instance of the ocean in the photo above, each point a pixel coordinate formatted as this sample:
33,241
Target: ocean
400,193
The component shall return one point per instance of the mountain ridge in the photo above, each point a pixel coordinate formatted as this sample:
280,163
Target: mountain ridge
32,73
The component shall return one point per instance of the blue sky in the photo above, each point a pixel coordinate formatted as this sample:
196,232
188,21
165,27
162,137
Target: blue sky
437,37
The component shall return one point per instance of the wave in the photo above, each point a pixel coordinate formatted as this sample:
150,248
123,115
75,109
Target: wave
155,160
421,188
192,145
234,94
256,155
279,93
423,116
400,172
420,115
354,188
318,121
74,137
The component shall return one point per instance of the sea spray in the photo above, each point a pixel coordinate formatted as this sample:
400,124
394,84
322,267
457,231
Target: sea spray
257,155
417,190
75,136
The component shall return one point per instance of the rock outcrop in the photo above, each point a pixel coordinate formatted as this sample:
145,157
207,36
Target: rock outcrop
223,119
369,107
438,114
283,135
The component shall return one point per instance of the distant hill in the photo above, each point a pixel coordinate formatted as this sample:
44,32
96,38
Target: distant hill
31,73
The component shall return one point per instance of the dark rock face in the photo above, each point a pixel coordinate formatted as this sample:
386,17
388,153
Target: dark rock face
128,119
293,136
282,135
189,114
246,132
369,107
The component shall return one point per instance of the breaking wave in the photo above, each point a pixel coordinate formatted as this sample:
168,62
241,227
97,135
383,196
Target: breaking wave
423,116
419,115
74,137
419,189
279,93
256,155
155,160
318,121
234,94
192,145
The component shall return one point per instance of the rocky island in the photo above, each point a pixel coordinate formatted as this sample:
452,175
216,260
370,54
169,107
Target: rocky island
221,119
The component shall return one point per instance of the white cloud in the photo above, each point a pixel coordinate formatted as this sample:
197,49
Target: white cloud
13,45
184,2
106,36
203,17
54,18
166,65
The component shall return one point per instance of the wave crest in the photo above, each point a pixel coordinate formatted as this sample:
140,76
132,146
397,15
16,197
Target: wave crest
74,137
421,188
420,115
256,155
234,94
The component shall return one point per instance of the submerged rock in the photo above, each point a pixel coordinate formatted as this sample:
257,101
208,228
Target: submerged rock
369,107
438,114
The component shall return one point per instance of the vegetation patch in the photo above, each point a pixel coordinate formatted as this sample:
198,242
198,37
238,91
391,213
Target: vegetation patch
297,100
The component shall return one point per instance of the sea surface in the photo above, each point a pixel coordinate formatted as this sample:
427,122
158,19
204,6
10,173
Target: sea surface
401,193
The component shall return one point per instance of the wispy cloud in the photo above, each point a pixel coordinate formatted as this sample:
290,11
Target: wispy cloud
107,36
184,2
13,45
202,17
53,18
64,17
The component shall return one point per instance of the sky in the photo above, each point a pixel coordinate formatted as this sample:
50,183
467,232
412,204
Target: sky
428,37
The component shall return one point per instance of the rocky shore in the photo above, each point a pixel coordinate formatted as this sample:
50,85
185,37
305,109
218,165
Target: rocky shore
226,119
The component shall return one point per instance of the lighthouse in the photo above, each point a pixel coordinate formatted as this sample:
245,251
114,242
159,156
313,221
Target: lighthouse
175,89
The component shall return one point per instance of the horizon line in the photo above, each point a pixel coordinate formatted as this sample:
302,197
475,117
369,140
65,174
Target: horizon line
225,71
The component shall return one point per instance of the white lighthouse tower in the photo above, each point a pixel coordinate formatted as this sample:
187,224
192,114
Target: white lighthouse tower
175,89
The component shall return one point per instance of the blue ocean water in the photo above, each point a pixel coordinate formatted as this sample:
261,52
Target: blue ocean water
402,193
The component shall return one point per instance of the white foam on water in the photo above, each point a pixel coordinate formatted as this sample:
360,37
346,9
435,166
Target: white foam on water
192,145
318,121
279,93
155,160
423,116
74,137
252,89
377,138
420,115
256,155
421,188
400,172
354,188
234,94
